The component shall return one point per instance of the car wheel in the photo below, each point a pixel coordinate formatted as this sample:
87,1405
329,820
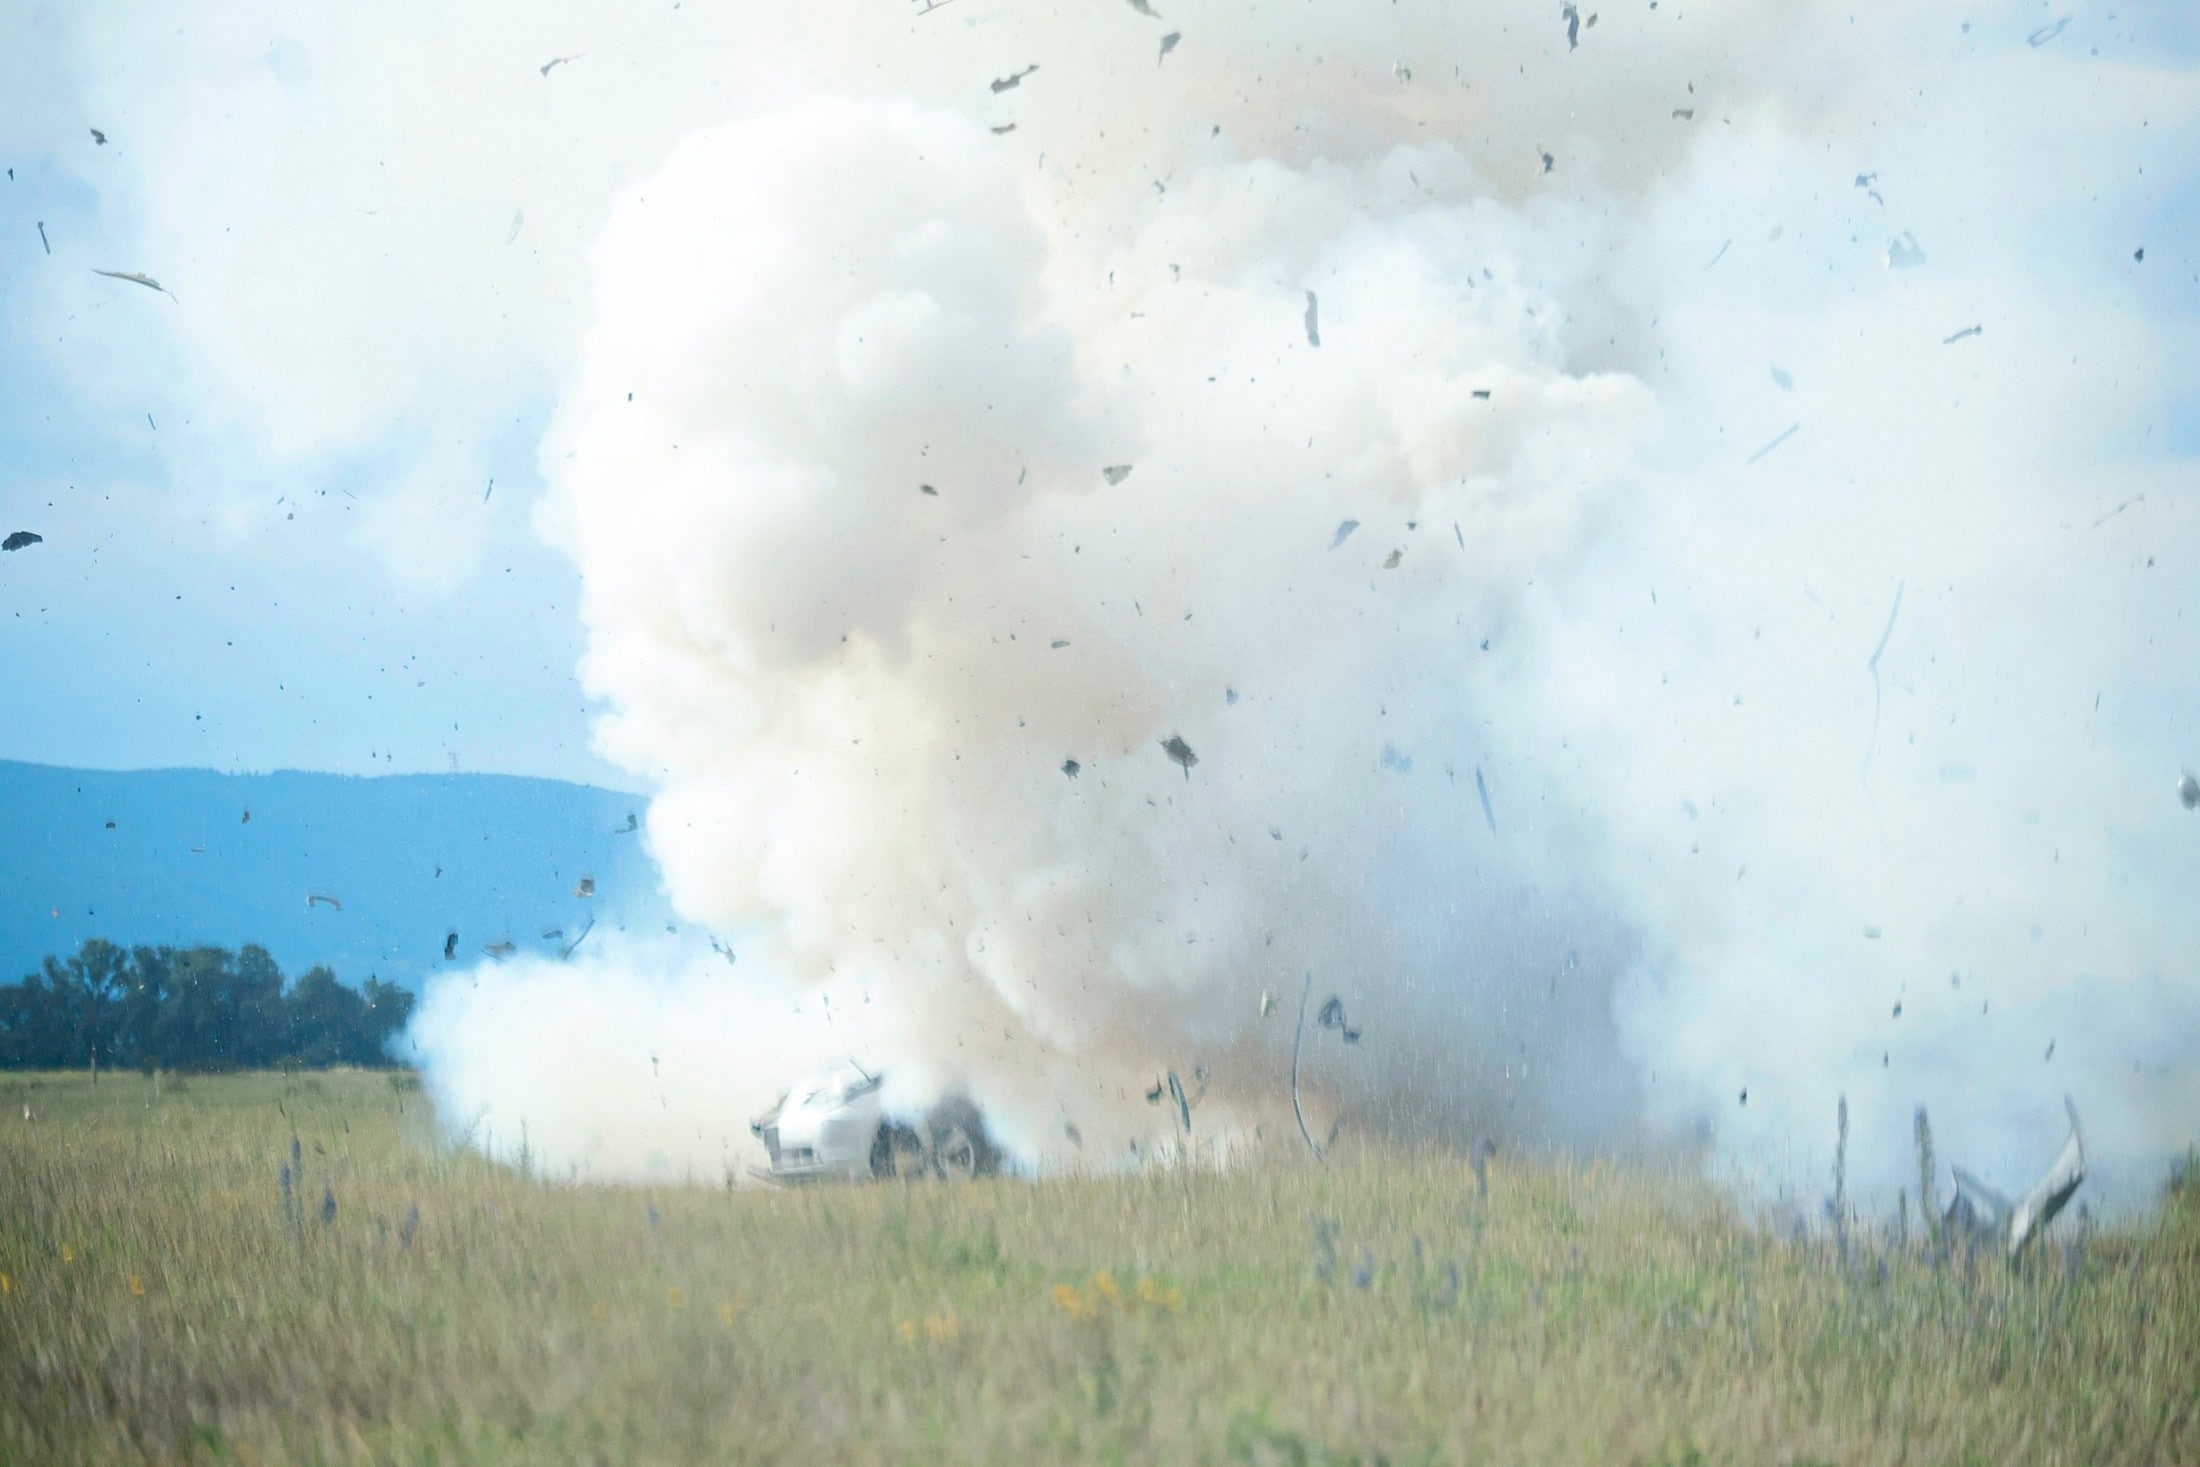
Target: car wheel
957,1148
898,1153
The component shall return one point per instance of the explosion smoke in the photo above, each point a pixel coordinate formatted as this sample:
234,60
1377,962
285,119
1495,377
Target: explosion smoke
857,701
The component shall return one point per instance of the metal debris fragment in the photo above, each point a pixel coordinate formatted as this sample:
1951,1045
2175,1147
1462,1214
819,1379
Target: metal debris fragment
1572,17
1071,767
20,539
314,899
450,946
1313,320
1116,473
1013,80
1791,431
1904,253
519,218
502,949
99,139
2046,33
586,887
1865,181
1482,789
1965,333
136,279
1168,44
591,927
557,61
2188,791
1782,380
928,489
1344,532
1548,162
1145,9
1006,127
1390,562
1180,753
1872,667
42,237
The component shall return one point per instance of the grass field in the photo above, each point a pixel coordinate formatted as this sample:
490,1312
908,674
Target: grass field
161,1303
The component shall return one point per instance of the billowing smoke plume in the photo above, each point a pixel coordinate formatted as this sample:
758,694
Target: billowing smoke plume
1650,563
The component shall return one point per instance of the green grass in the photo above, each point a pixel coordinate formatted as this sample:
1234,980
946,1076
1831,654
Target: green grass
158,1305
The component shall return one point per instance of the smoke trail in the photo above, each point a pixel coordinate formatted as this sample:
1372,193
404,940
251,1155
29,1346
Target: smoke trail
872,599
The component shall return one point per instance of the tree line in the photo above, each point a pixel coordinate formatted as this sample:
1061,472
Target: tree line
195,1008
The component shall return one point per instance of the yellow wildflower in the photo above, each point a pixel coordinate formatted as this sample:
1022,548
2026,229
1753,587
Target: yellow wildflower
908,1331
1149,1291
940,1327
727,1311
6,1285
137,1287
674,1299
1070,1302
68,1253
1103,1284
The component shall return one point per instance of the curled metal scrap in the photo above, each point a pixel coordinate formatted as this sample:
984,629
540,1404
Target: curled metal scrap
1979,1208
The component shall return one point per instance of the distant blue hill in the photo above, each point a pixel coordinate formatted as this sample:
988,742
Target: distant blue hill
167,856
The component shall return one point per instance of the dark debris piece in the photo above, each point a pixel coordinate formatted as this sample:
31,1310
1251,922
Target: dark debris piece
928,489
1573,26
99,139
1313,320
1116,473
1344,532
1168,44
20,539
1145,9
1180,753
1071,768
1013,80
450,945
2188,792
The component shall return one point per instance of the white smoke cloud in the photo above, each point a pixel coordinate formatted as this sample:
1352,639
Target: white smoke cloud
1596,770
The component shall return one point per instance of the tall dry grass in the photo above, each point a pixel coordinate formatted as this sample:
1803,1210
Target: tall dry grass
415,1305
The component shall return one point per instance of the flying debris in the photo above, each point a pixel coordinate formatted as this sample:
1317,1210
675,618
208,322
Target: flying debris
1782,380
502,949
450,946
1116,473
555,934
557,61
1483,790
1904,253
1986,1210
2046,33
928,489
722,950
1792,430
1006,127
1057,644
1313,320
1684,114
42,237
1183,1102
1967,331
1865,181
316,899
1144,9
2139,255
1071,767
518,218
1267,1003
1013,80
2188,792
136,279
591,927
99,139
1548,162
247,818
20,539
1872,666
586,887
1390,562
1572,17
1332,1016
632,824
1344,532
1180,753
1168,44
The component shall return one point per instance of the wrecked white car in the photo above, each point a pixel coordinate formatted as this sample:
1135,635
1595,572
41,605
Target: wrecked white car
834,1126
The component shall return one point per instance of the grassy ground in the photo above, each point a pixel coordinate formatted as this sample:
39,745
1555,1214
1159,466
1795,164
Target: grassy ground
158,1303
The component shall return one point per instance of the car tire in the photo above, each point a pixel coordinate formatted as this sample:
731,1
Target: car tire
955,1143
898,1154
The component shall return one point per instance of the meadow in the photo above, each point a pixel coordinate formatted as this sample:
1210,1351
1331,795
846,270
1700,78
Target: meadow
162,1300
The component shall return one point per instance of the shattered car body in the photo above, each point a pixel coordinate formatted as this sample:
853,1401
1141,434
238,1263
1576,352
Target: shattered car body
1981,1210
834,1126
